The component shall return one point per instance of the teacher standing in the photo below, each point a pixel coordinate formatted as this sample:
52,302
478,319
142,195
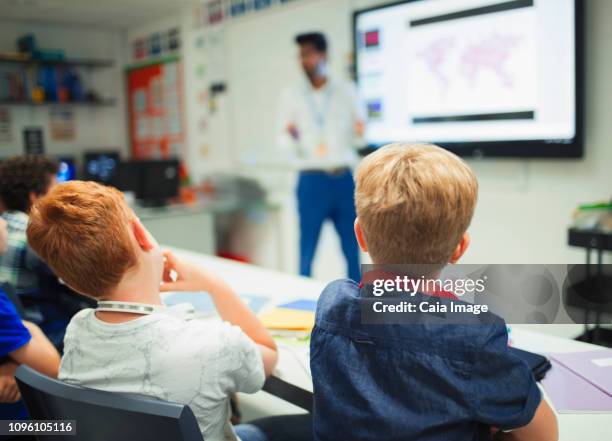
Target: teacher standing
319,121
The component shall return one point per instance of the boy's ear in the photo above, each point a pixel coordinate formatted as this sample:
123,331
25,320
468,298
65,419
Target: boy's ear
33,197
141,236
359,236
461,248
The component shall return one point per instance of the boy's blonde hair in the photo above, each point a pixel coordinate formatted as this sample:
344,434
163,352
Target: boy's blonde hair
414,203
82,231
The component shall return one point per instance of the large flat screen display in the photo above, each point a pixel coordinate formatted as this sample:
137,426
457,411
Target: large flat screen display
480,77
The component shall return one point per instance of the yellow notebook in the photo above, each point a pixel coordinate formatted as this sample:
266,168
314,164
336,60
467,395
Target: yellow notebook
288,319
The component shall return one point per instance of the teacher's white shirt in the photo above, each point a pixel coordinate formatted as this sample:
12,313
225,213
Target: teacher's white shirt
324,116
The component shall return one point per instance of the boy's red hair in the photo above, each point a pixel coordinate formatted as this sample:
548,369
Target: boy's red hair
82,231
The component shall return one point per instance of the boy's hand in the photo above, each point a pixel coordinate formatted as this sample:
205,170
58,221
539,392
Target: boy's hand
9,392
188,277
229,306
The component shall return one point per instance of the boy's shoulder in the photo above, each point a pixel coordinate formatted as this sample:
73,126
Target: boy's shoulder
339,309
175,327
179,353
339,290
175,320
338,305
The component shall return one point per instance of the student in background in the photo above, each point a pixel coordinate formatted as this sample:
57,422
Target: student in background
94,242
425,381
20,343
318,123
24,179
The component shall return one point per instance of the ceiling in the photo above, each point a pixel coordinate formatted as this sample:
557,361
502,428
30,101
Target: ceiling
100,13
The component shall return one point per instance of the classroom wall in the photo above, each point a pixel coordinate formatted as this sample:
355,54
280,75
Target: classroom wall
525,206
95,127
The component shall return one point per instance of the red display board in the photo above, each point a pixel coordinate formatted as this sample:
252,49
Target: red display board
155,105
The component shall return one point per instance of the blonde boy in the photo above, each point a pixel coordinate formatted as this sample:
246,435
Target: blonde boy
424,381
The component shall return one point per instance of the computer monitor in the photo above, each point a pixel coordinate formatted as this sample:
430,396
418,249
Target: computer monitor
159,181
127,176
67,168
154,182
100,166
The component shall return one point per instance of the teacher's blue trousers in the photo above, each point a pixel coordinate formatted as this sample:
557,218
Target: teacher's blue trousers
322,196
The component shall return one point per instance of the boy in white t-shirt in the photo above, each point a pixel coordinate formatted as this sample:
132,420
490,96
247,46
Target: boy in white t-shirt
92,240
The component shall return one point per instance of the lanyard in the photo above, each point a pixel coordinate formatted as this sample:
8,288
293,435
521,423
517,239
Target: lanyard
320,114
135,308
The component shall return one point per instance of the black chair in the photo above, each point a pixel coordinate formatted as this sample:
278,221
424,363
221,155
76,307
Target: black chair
104,416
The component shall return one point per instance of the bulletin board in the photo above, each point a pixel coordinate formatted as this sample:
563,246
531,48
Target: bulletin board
155,106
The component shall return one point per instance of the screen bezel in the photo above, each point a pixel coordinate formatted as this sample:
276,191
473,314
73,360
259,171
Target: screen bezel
537,148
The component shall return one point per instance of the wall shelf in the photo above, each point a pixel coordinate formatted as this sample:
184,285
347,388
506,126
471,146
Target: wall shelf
105,102
69,62
23,63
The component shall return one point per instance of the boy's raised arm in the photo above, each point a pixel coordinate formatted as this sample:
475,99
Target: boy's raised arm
230,307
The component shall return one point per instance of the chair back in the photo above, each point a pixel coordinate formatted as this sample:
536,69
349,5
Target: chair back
104,416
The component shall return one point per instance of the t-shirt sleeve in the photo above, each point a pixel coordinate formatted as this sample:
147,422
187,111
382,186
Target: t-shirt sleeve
243,359
13,334
504,391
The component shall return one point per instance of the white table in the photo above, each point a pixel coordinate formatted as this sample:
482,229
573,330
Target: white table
293,364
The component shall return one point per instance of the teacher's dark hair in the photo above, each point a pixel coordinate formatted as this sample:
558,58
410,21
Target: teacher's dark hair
316,39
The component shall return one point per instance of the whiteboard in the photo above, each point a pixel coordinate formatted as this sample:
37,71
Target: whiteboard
262,59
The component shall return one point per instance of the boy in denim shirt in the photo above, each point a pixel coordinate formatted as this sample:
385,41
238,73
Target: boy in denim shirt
417,382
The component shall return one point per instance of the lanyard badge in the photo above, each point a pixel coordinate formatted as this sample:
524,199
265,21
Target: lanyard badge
320,115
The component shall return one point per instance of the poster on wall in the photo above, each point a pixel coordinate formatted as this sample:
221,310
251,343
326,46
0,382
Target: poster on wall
212,12
61,124
139,49
215,12
155,44
6,129
261,4
33,141
237,7
155,105
174,39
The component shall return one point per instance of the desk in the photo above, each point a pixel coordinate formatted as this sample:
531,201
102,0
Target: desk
293,364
